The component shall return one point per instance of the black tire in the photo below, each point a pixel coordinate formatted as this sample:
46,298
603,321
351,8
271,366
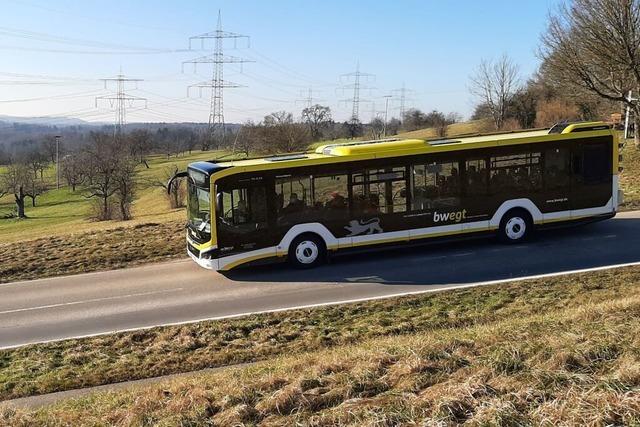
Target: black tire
307,251
516,226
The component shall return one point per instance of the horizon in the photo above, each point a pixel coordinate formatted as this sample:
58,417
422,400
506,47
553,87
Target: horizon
79,44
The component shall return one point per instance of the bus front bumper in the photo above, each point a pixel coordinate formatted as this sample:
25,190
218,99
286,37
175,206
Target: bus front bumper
209,264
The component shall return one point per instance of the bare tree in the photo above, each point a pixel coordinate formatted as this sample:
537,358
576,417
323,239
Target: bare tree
376,128
48,147
316,117
594,46
72,169
175,195
393,126
282,134
102,156
353,128
34,189
140,143
413,119
247,138
36,160
494,83
15,180
125,184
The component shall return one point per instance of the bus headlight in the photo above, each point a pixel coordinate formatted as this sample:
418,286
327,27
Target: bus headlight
212,254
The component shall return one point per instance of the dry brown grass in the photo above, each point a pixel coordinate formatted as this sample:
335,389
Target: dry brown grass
98,250
573,366
456,129
630,177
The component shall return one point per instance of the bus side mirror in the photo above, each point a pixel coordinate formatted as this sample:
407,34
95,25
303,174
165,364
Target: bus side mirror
173,178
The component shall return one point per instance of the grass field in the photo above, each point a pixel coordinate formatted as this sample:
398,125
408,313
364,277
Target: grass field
60,212
555,351
100,249
630,177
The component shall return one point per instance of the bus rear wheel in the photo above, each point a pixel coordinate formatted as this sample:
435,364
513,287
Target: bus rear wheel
516,226
307,251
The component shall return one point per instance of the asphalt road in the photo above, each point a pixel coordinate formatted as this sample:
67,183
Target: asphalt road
175,292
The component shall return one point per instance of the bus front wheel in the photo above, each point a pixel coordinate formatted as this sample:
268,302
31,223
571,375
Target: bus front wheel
516,226
307,251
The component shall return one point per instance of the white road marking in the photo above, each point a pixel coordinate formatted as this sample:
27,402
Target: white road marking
338,302
363,279
463,254
44,307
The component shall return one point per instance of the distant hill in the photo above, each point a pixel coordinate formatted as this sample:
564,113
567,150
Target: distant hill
16,130
48,121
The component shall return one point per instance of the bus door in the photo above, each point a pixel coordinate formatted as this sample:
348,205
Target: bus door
591,163
242,215
477,202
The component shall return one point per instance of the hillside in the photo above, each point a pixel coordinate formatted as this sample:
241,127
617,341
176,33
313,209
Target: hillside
474,126
561,350
61,212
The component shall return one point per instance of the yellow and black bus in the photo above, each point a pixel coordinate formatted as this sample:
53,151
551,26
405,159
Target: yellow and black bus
348,196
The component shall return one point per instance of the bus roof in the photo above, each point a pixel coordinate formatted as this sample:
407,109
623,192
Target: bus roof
360,150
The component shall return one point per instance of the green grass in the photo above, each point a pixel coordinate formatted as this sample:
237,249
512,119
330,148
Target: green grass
558,351
62,211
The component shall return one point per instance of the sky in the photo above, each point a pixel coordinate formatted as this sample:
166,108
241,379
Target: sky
54,53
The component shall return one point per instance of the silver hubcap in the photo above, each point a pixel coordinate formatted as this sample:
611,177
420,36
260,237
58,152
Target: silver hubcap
515,228
306,252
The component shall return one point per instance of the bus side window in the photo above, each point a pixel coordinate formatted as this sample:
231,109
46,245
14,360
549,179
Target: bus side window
557,168
516,172
379,191
330,196
293,198
595,167
435,185
477,178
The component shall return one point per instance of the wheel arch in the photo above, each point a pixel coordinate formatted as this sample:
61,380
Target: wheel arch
330,241
516,204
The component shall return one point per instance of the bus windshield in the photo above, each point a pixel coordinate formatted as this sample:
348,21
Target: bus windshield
199,210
